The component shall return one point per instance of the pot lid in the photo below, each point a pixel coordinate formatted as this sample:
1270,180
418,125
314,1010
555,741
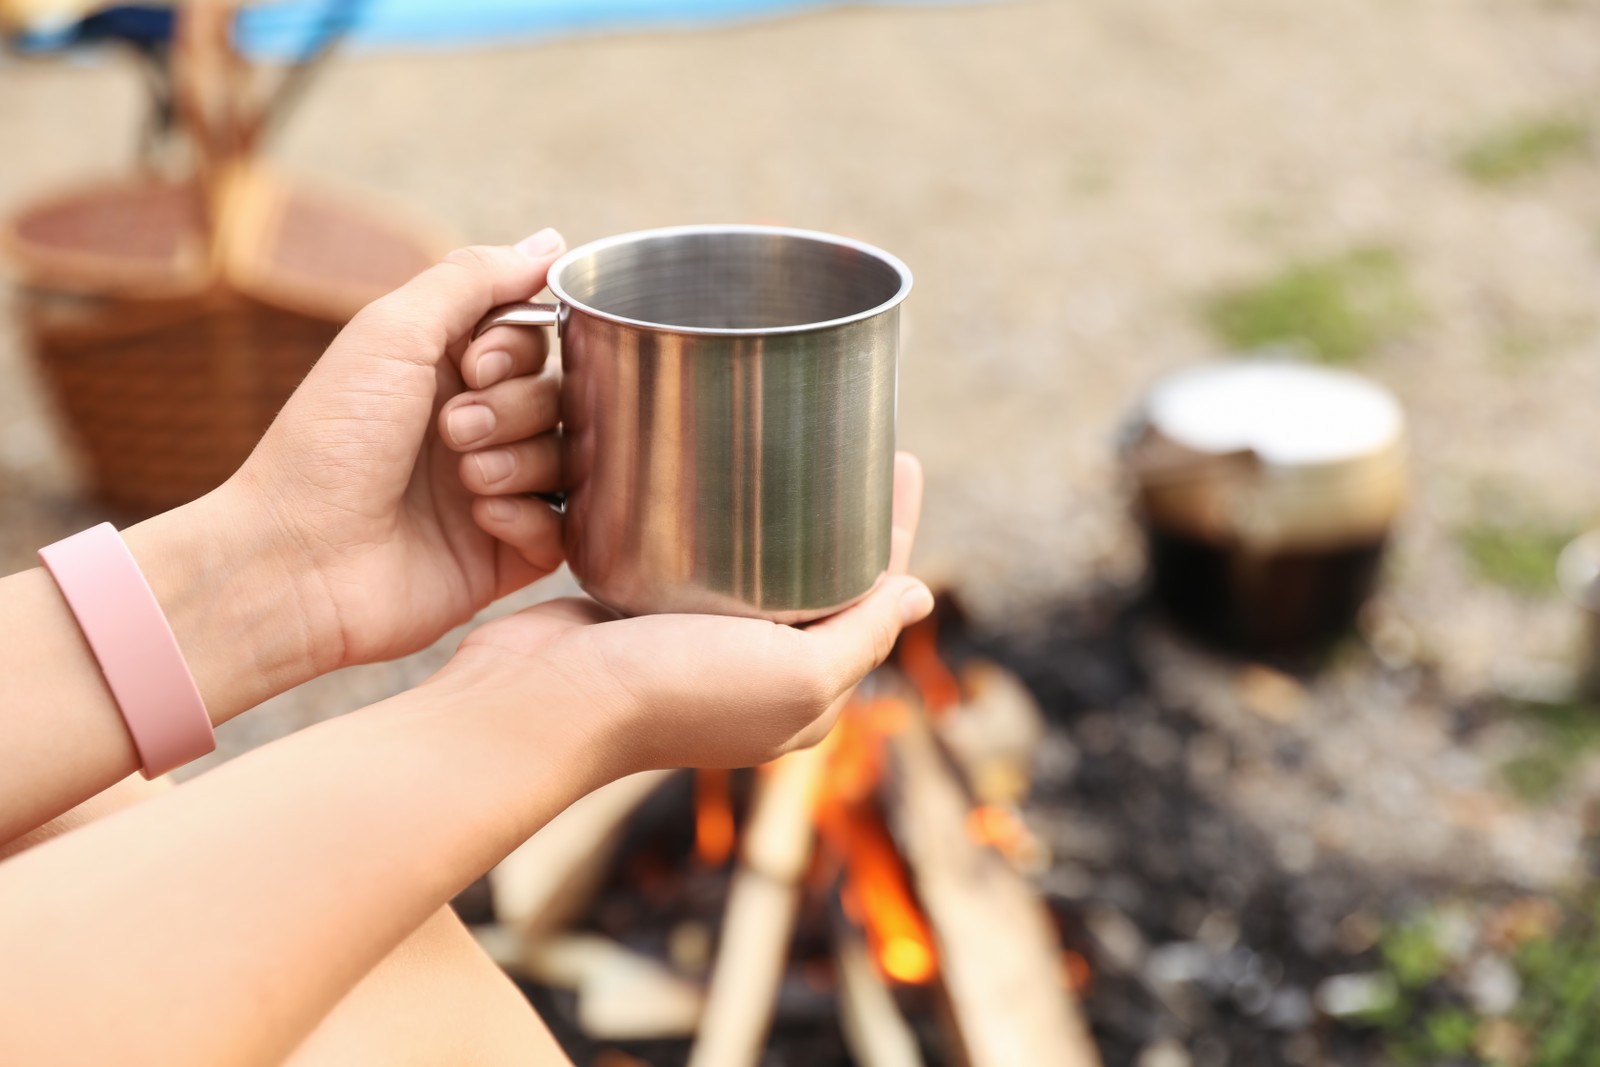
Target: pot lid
1285,413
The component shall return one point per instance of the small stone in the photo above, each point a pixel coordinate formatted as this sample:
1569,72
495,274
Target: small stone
1289,1010
1521,920
1269,693
1219,930
1164,1053
1208,757
1345,995
1069,881
1492,985
1156,746
1297,853
1501,1041
1097,733
1122,947
1358,932
1179,963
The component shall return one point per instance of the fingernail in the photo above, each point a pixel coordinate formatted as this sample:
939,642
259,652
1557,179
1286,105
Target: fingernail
540,244
493,367
915,604
469,423
500,509
494,465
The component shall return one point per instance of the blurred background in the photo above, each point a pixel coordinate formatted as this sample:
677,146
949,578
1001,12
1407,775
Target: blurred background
1381,853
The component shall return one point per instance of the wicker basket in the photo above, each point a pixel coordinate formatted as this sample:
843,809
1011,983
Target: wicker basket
168,339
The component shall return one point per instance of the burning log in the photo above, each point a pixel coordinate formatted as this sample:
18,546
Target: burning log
994,732
548,881
874,1030
995,943
762,902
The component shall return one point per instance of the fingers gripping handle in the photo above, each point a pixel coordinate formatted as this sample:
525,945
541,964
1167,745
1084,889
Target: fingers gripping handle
528,314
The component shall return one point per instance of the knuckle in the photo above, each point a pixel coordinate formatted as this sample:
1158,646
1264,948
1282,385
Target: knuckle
474,258
392,321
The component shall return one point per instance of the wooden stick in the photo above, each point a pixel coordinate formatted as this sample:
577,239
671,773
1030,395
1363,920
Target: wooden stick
874,1030
762,902
545,883
623,995
997,950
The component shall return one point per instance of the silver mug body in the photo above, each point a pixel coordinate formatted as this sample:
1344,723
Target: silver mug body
728,418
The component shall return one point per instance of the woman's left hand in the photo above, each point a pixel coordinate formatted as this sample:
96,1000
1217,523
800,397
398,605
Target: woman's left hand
388,536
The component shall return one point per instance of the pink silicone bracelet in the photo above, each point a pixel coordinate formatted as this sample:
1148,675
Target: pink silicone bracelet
124,625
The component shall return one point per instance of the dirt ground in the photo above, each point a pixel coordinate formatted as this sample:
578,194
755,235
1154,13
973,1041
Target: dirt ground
1068,181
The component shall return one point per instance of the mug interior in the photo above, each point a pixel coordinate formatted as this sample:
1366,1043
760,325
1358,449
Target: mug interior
729,279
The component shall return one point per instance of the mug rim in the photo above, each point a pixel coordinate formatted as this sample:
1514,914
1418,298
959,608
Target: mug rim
553,280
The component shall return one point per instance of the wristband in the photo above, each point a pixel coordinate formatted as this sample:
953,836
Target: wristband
130,637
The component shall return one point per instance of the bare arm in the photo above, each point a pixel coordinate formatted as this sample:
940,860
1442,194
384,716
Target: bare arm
238,617
221,922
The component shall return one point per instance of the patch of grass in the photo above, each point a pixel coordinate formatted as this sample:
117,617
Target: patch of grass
1525,148
1339,308
1518,557
1554,1022
1412,954
1567,733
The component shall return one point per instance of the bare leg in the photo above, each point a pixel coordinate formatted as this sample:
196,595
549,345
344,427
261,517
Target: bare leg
437,998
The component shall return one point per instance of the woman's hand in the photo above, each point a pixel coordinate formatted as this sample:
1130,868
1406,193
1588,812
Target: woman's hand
695,690
381,537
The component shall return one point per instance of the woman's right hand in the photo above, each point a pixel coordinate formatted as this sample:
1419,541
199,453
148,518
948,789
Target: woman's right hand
694,690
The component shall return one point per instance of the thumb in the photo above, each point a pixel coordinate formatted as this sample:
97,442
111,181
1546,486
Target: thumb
860,638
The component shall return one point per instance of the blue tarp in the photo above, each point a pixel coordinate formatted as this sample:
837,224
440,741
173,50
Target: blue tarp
287,28
279,29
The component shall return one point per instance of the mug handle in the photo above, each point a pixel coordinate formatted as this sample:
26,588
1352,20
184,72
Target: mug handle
526,314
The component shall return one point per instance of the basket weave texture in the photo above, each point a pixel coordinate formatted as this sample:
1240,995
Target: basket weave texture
169,344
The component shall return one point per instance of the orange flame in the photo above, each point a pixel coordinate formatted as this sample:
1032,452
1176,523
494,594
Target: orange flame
713,817
879,897
1075,972
919,658
998,827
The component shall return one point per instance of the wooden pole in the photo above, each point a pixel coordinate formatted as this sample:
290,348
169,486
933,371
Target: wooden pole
999,956
759,919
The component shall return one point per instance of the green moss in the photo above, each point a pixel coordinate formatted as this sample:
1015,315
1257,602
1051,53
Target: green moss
1525,148
1518,557
1412,953
1567,733
1557,1009
1537,776
1339,308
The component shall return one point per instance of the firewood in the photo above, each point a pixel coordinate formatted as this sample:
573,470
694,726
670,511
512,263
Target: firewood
762,902
997,951
623,995
874,1030
994,732
546,882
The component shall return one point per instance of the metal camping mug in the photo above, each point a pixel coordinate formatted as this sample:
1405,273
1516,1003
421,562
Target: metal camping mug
728,417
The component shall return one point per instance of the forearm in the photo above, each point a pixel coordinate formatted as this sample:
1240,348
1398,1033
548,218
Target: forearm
239,613
237,910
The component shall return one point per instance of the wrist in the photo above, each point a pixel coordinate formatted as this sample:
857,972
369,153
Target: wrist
244,615
526,741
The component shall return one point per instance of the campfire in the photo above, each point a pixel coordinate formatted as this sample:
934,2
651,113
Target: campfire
879,880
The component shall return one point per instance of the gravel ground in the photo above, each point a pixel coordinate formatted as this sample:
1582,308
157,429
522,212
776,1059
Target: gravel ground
1068,181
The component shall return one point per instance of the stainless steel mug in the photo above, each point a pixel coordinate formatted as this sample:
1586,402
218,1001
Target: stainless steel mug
728,417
